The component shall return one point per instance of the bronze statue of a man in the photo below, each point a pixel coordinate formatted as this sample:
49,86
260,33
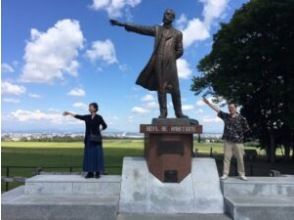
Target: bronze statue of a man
160,73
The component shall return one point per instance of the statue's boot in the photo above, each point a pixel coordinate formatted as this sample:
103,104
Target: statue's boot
162,104
176,99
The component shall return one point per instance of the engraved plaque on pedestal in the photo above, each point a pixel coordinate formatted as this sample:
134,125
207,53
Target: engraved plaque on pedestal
168,148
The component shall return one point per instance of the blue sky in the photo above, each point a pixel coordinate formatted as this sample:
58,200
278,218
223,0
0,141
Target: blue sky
61,55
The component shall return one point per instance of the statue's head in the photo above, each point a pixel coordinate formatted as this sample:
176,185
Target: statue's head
168,16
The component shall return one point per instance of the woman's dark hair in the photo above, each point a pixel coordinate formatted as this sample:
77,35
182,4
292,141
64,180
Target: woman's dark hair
95,105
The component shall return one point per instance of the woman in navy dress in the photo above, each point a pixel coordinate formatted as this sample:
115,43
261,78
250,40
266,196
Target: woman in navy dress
93,161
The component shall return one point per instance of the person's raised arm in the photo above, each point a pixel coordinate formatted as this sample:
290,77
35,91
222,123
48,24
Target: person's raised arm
81,117
140,29
215,108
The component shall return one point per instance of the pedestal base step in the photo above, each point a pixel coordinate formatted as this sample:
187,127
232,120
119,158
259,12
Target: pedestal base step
173,217
259,186
16,205
260,208
105,186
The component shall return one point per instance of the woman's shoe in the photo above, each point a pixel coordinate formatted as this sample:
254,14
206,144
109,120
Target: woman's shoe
97,175
89,175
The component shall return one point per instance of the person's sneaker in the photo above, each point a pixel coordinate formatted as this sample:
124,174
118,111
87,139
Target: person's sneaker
243,178
89,175
224,177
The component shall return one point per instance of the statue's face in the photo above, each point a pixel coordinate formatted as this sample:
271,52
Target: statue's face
168,16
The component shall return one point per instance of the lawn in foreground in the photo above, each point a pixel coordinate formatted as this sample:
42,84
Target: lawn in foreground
42,154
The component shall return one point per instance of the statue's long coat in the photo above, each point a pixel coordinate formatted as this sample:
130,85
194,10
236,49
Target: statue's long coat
160,70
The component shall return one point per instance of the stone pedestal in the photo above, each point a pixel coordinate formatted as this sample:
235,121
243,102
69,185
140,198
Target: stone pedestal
142,192
168,148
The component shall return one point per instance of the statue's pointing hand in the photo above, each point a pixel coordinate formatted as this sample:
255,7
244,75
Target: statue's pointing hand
116,22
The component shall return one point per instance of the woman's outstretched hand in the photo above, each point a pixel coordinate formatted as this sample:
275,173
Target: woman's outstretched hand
66,113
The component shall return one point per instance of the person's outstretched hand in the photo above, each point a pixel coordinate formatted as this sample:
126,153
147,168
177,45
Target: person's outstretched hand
205,100
65,113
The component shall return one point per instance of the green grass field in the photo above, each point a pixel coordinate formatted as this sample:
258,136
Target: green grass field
70,154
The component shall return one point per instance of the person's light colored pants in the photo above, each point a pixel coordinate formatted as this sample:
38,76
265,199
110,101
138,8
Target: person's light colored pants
236,149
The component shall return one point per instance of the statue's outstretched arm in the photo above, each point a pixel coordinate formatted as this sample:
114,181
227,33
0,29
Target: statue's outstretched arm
140,29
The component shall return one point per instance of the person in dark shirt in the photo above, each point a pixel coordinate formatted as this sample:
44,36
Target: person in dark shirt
93,152
235,128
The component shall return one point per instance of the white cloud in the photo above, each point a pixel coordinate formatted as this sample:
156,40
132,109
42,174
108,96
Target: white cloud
34,95
80,105
149,102
51,54
140,110
194,31
198,30
8,88
199,111
114,8
6,68
123,67
201,103
102,50
76,92
182,21
213,9
188,107
151,105
211,119
184,69
37,115
10,100
147,98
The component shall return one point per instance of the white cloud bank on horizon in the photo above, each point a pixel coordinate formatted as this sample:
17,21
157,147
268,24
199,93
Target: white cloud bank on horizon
51,54
22,115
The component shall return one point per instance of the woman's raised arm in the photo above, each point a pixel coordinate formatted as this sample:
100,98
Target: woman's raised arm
81,117
68,113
